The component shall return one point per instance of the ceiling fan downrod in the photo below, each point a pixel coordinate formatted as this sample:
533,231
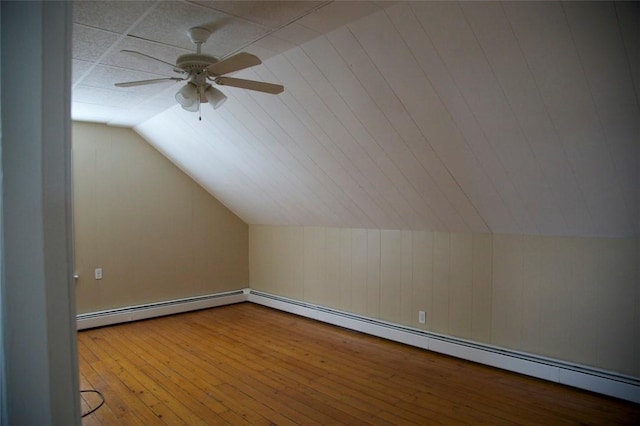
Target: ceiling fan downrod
199,36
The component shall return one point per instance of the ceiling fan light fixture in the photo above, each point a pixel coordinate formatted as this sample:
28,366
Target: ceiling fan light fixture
191,108
215,97
187,96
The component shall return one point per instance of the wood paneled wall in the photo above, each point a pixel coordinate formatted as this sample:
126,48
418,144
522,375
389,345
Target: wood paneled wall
155,232
574,299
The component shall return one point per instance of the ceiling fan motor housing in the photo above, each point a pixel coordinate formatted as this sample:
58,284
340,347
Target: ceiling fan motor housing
195,62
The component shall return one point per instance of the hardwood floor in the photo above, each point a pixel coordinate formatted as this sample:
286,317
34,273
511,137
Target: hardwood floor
250,365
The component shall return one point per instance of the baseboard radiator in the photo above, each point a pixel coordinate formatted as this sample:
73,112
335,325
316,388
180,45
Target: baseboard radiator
158,309
579,376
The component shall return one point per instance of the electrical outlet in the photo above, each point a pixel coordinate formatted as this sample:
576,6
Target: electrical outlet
98,273
422,317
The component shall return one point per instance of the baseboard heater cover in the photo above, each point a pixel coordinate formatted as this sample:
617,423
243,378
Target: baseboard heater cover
579,376
152,310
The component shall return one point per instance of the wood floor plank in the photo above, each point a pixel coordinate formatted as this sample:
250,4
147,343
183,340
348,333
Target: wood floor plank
194,406
321,368
116,411
147,391
103,415
244,380
249,365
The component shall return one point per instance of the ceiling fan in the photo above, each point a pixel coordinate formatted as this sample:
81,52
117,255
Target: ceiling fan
201,71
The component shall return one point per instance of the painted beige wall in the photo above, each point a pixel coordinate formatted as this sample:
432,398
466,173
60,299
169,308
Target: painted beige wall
575,299
155,232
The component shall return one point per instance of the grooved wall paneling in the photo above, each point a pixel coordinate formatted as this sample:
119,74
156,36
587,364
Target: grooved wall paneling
570,298
156,233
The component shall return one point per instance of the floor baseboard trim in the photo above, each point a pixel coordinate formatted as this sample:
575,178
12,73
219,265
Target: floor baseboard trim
152,310
575,375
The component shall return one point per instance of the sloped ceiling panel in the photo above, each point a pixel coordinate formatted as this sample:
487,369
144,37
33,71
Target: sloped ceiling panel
509,117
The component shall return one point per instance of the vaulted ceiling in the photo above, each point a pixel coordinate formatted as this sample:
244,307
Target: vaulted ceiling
512,117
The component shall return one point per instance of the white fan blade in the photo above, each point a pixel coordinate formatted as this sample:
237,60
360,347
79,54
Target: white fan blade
259,86
144,82
234,63
168,65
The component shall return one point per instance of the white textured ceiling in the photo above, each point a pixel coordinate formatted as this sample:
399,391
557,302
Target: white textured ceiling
513,117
